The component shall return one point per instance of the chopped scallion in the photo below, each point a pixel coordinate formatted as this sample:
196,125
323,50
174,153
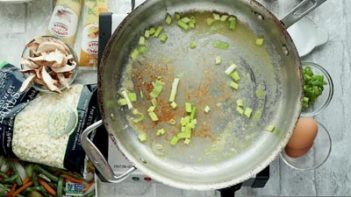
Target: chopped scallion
186,19
135,54
270,128
154,102
122,102
259,41
224,18
125,95
157,88
174,105
142,41
192,25
141,94
163,38
153,116
141,50
132,96
240,110
177,15
230,69
218,60
187,141
174,90
234,85
158,31
232,22
142,137
151,109
220,45
174,140
235,76
192,44
188,107
207,109
183,25
248,112
172,121
140,117
152,31
216,16
160,132
168,19
193,113
240,103
147,34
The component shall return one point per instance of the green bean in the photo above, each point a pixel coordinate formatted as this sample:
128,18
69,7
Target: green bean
91,194
18,178
60,187
47,174
29,170
4,175
35,179
11,179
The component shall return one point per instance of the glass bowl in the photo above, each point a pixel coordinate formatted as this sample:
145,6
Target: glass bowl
316,156
323,100
39,87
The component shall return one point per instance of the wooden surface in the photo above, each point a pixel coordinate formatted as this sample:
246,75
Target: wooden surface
20,22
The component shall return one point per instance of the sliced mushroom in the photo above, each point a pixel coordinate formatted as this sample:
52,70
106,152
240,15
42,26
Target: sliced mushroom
52,46
63,80
29,64
64,69
26,83
49,82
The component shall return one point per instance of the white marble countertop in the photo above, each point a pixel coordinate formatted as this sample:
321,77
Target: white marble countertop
20,22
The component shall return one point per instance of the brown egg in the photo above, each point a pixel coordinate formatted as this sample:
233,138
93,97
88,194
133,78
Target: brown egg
296,152
303,136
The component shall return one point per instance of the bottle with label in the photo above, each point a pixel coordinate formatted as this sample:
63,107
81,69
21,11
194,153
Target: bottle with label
64,20
90,34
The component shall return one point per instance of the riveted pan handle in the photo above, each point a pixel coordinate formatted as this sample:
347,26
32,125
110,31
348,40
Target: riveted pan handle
98,159
303,8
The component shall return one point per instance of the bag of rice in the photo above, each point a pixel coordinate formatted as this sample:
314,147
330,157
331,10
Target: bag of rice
47,129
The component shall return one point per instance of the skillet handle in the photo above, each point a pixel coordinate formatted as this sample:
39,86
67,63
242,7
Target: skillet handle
303,8
98,159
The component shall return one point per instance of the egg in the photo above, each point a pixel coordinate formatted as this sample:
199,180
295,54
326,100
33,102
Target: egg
302,138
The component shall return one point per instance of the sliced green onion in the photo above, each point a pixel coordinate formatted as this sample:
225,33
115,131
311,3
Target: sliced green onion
168,19
193,113
174,105
234,85
160,132
183,25
142,137
147,34
122,102
260,93
192,25
192,45
142,41
259,41
141,50
235,76
185,120
216,16
248,112
172,122
188,107
154,102
240,110
125,95
240,103
220,45
230,69
141,94
174,140
158,31
270,128
140,116
153,116
158,87
185,19
224,18
218,60
135,54
163,38
232,22
174,90
210,21
207,109
151,109
187,141
152,31
132,96
177,15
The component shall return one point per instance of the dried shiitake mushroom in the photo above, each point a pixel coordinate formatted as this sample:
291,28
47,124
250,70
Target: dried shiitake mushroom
50,64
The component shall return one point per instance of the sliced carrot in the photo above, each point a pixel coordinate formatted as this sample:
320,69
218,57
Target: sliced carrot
21,189
26,180
88,186
12,190
72,179
47,187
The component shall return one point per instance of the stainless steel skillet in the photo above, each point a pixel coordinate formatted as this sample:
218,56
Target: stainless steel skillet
237,148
